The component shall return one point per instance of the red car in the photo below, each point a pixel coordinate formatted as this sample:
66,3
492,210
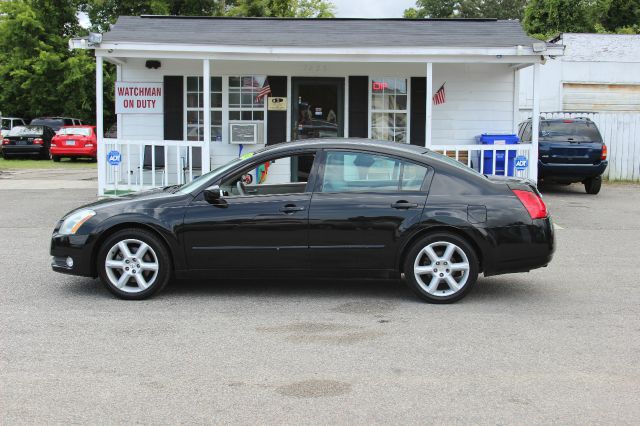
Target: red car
74,142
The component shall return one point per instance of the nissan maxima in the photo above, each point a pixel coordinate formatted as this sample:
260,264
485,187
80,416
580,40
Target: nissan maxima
332,208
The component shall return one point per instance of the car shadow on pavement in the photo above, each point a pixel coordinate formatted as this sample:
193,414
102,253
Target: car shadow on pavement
501,289
554,188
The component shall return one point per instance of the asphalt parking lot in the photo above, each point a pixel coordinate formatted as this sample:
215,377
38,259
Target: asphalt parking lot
557,345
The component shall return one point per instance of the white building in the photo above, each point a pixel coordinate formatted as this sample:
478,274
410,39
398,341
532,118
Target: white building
597,77
328,77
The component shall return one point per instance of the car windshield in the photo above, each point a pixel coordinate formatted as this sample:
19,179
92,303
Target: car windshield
26,131
569,130
82,131
452,162
188,187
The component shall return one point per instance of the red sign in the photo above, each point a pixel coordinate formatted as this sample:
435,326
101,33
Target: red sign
379,86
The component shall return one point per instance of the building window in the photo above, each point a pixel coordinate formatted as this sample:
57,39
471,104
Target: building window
243,105
389,109
195,109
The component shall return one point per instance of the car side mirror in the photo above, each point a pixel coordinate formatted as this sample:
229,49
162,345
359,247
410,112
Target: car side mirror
213,195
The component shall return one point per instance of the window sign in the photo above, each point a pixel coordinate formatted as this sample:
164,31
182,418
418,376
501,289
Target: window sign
138,98
389,109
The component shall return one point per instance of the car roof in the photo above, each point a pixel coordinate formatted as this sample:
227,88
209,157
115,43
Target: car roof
55,118
80,126
351,143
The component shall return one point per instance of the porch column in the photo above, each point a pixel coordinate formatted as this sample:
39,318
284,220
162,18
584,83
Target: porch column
206,102
535,123
102,155
429,106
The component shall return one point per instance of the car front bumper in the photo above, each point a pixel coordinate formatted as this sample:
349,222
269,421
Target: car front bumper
77,247
570,172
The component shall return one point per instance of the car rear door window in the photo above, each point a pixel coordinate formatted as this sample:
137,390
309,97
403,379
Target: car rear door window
360,172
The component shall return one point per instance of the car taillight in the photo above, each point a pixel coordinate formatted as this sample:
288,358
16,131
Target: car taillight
533,203
5,141
603,156
88,145
38,141
53,144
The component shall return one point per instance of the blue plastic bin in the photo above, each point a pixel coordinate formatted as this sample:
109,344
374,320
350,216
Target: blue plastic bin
498,139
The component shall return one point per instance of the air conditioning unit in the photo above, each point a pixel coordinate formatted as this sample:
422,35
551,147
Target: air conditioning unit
246,132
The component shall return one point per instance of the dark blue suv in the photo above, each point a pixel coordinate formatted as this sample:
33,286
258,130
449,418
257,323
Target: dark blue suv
569,151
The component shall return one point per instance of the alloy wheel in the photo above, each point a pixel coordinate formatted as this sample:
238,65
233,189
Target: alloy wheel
132,265
441,269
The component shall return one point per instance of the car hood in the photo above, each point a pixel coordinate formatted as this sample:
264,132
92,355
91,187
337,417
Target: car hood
139,201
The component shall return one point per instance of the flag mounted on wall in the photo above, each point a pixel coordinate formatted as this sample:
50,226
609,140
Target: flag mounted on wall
264,90
438,97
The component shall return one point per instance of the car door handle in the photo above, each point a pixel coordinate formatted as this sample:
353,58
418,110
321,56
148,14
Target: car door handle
402,204
291,208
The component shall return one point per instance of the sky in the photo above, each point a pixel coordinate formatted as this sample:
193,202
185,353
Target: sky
371,8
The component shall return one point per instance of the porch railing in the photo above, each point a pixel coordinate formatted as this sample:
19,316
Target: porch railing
499,160
146,164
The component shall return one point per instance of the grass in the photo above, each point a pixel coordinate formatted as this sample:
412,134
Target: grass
28,163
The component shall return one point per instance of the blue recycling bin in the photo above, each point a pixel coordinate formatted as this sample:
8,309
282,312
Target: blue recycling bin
504,163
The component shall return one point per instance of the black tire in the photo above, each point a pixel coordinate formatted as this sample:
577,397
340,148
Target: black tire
593,185
55,158
445,238
165,268
6,156
74,159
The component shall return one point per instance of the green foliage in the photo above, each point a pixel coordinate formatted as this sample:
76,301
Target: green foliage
38,73
283,8
617,15
500,9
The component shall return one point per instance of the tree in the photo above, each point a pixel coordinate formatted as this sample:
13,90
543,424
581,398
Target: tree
617,15
500,9
283,8
38,73
545,18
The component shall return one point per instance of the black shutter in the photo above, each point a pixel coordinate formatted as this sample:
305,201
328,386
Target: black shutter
418,110
173,107
277,120
358,106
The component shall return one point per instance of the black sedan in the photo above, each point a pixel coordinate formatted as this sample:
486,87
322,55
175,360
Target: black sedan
321,208
28,141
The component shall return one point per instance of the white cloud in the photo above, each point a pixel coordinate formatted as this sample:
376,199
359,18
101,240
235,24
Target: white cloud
371,8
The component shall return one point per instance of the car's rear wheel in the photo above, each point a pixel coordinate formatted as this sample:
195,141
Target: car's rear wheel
593,185
134,264
55,158
441,268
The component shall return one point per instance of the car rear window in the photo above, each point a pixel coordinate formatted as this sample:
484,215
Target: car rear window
26,131
53,123
569,130
82,131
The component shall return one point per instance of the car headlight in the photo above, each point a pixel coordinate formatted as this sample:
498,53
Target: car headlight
72,223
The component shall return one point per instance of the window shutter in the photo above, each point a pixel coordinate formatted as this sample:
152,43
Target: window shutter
277,120
173,107
358,106
418,110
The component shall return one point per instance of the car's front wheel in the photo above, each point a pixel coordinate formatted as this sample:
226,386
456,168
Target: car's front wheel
441,268
134,264
593,185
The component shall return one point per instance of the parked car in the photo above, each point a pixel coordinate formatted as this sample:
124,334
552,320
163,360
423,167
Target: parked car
74,142
362,212
9,123
27,141
56,122
570,151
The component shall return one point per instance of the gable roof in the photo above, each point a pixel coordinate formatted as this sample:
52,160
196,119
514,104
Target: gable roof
318,33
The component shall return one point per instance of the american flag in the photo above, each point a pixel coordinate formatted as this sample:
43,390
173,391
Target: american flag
264,90
439,98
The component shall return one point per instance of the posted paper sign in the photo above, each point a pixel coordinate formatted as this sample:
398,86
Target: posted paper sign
139,98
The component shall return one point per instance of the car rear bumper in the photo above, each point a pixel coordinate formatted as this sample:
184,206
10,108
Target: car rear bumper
23,149
522,248
78,248
570,172
73,151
